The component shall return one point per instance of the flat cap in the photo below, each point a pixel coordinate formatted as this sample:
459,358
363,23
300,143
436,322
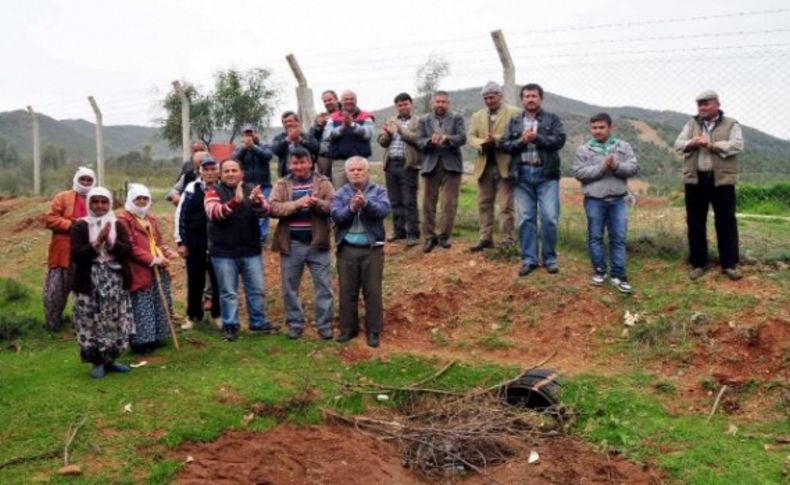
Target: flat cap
706,95
491,88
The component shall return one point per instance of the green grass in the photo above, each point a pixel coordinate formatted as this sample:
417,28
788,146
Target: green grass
620,414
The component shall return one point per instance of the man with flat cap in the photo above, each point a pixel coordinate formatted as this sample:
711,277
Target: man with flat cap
710,143
491,162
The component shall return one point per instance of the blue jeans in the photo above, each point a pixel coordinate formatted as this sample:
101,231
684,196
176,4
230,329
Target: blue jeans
251,270
613,216
534,193
291,268
263,222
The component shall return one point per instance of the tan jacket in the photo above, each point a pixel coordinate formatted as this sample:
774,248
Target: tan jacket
409,135
726,143
478,131
283,206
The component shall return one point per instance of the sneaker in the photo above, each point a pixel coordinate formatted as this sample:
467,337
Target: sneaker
552,268
412,241
294,333
326,333
732,273
189,324
622,285
598,279
697,273
98,372
526,269
444,241
217,323
430,243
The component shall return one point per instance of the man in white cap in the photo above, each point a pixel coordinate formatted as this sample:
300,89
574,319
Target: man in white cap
710,143
491,162
66,207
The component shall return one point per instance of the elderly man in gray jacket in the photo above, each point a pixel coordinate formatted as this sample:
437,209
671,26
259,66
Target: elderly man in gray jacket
440,136
603,165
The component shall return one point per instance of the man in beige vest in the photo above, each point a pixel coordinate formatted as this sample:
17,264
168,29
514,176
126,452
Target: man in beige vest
491,166
710,143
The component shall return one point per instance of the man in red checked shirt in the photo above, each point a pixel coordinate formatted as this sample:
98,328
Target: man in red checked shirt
234,245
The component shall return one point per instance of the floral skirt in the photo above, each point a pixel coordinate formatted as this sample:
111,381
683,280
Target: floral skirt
150,319
103,319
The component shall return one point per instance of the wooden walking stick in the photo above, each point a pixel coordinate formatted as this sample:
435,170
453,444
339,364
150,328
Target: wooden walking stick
166,307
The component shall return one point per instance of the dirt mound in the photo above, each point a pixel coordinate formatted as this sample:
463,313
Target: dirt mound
294,455
37,221
331,454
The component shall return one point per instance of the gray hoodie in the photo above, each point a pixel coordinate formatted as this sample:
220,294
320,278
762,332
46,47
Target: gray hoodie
605,184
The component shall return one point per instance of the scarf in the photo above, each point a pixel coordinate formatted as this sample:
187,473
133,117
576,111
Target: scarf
96,223
135,191
605,147
82,172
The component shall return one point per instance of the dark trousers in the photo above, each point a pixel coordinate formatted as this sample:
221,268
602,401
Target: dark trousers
722,198
360,268
197,266
402,191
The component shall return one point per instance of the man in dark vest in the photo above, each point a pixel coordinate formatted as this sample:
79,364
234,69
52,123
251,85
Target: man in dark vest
350,135
291,138
710,143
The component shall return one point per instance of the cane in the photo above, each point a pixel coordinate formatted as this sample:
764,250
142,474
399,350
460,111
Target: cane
166,307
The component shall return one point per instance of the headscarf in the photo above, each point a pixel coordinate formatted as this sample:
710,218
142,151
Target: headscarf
82,172
96,223
135,191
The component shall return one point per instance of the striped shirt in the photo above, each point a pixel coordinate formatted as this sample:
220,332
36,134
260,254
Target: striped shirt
530,154
300,224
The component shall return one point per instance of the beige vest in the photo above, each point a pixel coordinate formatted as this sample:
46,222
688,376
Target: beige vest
725,170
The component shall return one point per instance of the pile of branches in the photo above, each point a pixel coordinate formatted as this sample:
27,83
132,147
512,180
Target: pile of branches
444,433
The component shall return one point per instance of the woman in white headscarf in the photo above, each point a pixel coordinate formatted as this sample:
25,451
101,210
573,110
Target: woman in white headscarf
148,266
66,208
102,314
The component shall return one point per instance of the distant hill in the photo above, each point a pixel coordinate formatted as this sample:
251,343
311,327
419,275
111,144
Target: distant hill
77,137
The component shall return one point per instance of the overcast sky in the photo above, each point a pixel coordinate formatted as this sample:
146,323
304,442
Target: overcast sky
611,52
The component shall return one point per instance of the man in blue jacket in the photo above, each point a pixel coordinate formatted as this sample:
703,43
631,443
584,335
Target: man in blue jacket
534,139
358,210
254,158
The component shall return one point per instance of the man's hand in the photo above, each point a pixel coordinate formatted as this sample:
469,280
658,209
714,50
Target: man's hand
528,136
321,119
358,201
239,196
347,119
608,162
256,195
175,198
183,251
247,141
488,140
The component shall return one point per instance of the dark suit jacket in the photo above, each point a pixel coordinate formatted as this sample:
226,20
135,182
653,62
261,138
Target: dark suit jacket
449,153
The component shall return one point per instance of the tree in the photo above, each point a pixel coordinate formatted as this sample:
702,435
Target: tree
8,155
429,75
239,97
242,97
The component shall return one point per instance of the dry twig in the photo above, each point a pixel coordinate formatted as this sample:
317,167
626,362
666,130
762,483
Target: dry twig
716,403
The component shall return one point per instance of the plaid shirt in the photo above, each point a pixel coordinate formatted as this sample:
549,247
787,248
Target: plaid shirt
530,155
398,146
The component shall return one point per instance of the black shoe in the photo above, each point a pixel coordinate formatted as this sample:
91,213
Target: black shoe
482,244
412,241
230,332
373,339
265,329
395,237
325,333
117,367
430,243
526,269
552,269
346,335
444,241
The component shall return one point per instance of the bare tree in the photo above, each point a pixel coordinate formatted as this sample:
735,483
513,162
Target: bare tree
429,75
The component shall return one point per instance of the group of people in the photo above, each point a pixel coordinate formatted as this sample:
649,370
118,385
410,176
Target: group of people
117,266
